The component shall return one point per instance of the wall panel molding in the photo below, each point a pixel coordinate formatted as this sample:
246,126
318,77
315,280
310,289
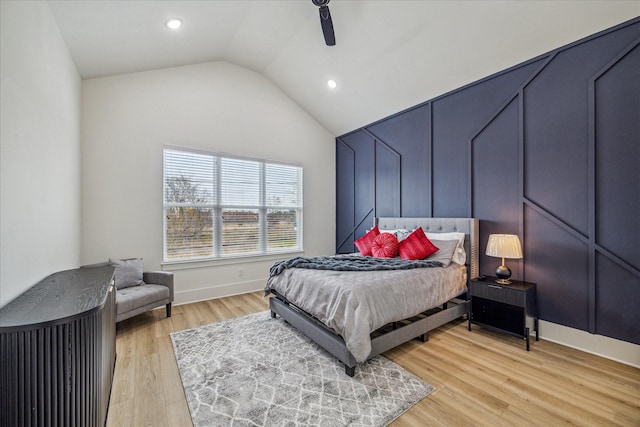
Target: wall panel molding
548,149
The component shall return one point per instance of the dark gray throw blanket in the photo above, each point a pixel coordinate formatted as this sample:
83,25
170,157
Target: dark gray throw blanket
350,263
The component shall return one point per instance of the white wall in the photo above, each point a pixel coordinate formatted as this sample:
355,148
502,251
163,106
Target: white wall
128,119
39,149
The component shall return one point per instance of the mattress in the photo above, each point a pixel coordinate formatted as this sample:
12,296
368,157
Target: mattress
355,303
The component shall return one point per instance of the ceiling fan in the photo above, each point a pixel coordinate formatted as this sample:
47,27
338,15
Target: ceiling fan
325,21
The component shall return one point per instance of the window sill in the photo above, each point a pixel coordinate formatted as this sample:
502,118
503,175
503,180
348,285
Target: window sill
238,259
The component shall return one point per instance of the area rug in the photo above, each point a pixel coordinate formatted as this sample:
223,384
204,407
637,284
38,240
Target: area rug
259,371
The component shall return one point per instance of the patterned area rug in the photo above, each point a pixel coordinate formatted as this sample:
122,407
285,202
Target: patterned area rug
258,371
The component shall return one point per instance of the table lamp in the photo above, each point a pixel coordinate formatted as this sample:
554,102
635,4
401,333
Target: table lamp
504,246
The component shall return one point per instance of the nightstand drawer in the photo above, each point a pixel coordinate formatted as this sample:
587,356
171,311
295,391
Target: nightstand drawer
499,293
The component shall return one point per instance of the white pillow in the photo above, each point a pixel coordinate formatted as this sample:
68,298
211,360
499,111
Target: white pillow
459,255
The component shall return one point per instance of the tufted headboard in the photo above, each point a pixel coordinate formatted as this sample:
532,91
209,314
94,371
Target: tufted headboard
469,226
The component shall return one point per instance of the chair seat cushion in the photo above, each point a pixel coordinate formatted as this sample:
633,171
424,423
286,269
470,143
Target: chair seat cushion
128,299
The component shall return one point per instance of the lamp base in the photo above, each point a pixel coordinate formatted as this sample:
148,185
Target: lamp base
503,273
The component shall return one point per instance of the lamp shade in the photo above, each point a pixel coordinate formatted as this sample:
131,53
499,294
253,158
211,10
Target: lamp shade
504,246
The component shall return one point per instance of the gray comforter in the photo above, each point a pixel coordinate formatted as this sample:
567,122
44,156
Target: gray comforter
356,303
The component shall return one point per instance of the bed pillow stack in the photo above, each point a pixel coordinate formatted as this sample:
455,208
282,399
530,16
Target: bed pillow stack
445,252
415,245
459,255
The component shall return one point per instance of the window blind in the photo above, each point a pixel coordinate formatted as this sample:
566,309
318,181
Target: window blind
219,206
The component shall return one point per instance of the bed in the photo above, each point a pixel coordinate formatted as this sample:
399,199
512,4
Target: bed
356,315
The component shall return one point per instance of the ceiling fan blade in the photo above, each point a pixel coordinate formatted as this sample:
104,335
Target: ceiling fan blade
327,26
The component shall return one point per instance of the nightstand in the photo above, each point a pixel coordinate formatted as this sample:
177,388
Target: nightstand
503,307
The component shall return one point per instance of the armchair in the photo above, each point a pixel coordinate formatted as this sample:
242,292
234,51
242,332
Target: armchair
138,291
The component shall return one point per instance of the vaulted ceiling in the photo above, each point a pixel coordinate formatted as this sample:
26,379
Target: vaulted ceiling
389,55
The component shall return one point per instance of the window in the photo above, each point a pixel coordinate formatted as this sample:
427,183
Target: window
221,206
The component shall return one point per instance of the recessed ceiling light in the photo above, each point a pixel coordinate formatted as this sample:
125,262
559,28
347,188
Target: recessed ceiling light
332,83
173,24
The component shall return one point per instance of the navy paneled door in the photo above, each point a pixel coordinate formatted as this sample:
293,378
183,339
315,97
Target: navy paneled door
549,150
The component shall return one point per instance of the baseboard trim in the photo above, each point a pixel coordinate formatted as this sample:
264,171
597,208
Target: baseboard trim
213,292
599,345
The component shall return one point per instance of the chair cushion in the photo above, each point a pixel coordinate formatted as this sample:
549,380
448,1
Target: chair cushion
128,272
128,299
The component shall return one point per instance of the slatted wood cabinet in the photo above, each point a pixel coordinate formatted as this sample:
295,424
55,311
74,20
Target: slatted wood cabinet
57,351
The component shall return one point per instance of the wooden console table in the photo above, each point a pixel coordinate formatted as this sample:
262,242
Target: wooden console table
57,351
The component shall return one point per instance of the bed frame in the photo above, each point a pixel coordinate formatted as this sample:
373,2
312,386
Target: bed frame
391,335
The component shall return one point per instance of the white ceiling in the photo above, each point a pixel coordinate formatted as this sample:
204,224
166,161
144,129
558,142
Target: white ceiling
389,55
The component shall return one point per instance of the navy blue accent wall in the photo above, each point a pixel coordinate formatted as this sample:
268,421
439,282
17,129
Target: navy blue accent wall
549,150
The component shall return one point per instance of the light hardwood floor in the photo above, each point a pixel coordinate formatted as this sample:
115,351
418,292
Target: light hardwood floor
482,378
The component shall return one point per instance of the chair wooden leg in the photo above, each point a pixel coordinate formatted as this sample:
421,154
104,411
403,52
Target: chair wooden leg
169,310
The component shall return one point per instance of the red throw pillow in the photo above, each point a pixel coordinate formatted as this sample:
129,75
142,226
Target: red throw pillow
416,246
364,243
385,246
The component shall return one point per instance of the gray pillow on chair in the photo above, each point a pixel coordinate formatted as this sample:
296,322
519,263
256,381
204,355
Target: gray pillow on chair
128,272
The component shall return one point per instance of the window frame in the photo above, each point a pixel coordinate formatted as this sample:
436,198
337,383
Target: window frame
217,207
